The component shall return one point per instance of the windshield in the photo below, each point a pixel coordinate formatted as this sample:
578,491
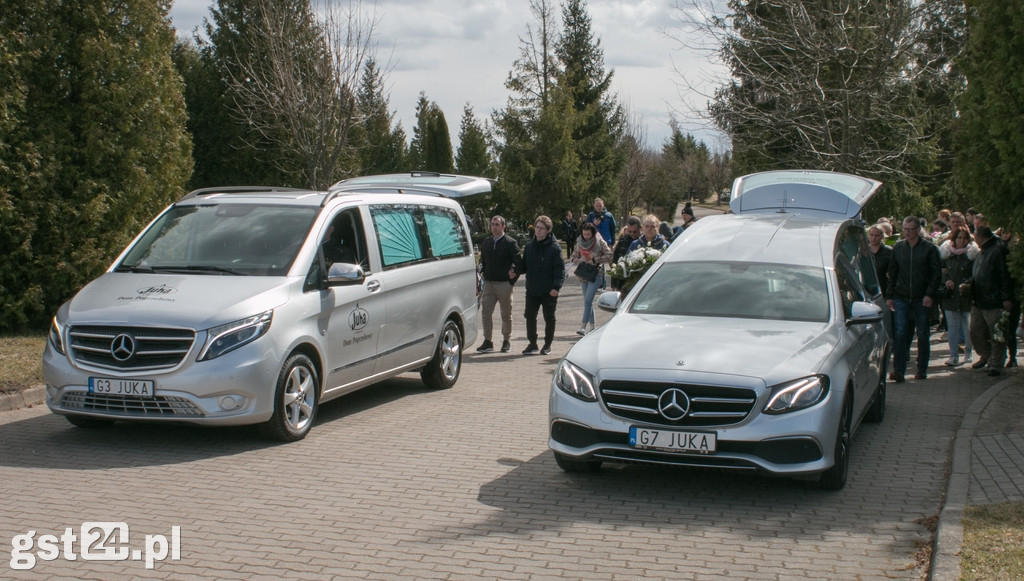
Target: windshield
736,289
241,239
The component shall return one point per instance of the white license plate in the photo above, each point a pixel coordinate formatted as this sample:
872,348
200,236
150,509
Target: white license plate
112,386
672,440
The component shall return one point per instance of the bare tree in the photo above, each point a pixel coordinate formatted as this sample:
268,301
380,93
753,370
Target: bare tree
301,91
639,162
827,85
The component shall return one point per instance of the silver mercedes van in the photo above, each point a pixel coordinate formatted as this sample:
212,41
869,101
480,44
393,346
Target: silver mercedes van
251,305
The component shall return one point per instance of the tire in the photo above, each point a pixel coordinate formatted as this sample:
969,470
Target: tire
89,423
296,400
569,464
877,410
442,371
835,477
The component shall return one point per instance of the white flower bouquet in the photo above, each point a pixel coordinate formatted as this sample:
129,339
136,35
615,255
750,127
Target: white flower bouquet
632,266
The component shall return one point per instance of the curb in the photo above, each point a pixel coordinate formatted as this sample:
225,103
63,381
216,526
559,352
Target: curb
949,533
26,398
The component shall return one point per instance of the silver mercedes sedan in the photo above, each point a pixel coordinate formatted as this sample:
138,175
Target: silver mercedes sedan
758,342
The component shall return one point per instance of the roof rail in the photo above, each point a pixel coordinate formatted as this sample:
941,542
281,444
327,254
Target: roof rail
419,182
239,190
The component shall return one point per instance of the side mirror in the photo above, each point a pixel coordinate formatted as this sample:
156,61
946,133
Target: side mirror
609,301
341,273
863,312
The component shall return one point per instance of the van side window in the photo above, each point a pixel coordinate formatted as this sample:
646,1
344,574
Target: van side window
447,237
398,234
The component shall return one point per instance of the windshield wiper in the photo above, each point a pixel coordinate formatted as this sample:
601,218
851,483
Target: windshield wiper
208,268
178,268
137,268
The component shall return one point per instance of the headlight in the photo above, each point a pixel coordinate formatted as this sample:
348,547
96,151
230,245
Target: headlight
57,336
574,381
797,394
227,338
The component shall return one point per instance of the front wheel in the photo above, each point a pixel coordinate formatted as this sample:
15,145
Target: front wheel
877,410
835,477
443,370
295,400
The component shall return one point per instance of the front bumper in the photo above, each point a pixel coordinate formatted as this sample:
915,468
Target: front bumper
234,389
793,444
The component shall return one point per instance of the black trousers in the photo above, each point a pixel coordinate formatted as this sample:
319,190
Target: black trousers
533,305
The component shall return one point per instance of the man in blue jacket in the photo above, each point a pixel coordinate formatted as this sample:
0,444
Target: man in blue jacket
545,272
915,273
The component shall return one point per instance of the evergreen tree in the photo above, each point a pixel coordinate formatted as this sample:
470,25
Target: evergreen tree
473,157
431,147
228,151
558,136
93,143
382,142
599,119
990,140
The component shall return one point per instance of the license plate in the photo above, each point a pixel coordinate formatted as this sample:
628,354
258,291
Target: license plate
672,440
111,386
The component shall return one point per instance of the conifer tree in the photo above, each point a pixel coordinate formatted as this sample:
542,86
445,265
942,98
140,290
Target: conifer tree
93,143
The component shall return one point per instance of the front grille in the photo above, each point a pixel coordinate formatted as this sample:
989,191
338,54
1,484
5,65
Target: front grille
154,348
131,406
709,405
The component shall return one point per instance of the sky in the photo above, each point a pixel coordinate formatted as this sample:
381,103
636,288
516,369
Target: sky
461,51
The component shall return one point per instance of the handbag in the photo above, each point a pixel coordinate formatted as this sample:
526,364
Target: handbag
587,271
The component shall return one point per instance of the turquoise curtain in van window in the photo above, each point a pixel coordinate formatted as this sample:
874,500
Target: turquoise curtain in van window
398,235
446,237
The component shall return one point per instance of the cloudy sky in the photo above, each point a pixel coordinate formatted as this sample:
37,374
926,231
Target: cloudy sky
461,51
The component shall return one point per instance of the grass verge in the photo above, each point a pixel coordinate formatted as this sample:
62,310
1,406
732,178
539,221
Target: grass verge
993,542
21,362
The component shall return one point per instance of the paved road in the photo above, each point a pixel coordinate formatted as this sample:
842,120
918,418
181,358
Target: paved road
400,482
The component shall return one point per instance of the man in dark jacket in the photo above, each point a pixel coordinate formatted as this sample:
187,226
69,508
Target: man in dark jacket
914,276
498,254
990,291
545,272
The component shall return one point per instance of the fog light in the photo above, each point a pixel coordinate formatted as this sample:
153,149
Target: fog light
231,402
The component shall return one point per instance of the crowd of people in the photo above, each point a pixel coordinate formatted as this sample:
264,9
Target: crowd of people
591,245
949,275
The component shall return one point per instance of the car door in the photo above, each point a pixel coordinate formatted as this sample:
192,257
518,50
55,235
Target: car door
860,339
355,313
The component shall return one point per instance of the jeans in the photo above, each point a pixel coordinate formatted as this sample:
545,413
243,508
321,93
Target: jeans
907,311
957,324
534,304
589,291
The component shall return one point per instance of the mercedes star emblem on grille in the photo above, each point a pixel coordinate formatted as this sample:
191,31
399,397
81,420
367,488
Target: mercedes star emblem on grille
123,347
673,404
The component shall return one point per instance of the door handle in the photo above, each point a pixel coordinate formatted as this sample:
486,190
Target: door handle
373,286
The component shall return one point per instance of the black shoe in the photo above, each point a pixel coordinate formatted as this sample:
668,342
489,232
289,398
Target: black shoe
506,346
980,363
1012,362
995,372
545,350
921,375
897,377
485,347
531,349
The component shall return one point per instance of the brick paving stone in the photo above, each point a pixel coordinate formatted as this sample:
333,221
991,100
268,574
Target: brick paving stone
396,481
